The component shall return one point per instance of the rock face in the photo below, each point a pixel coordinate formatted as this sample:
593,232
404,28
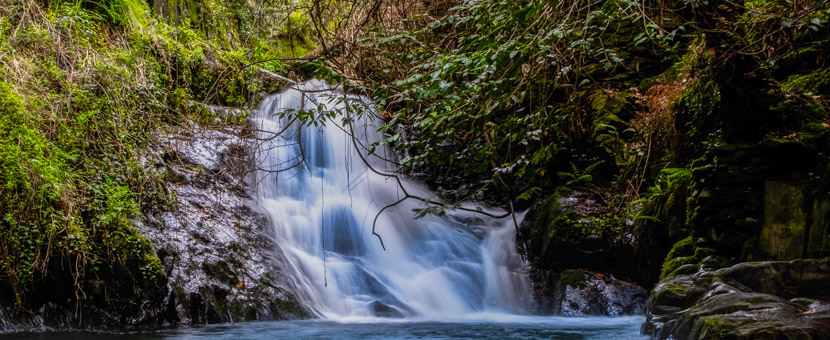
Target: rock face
762,202
758,202
573,269
751,300
795,225
220,258
583,293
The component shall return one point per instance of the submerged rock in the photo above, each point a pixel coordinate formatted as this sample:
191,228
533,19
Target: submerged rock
383,310
751,300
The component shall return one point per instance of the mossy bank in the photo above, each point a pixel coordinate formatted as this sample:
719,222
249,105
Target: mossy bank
87,88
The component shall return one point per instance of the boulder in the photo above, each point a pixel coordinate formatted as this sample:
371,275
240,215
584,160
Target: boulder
584,293
575,261
750,300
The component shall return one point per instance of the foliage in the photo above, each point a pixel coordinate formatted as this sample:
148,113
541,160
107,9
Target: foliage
670,186
114,12
579,176
485,89
86,87
504,92
512,96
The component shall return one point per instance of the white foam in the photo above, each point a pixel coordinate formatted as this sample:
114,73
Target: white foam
432,269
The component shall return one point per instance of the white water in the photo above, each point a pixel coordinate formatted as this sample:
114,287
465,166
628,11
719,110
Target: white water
462,265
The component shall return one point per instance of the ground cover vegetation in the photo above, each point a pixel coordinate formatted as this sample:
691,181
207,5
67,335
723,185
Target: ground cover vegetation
85,86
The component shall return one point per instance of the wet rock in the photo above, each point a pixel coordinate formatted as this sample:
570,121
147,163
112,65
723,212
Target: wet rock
218,252
114,298
582,293
383,310
751,300
11,322
562,246
557,234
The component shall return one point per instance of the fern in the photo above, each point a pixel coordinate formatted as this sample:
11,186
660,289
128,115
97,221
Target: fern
579,176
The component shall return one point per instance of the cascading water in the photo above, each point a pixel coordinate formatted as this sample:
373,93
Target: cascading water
323,199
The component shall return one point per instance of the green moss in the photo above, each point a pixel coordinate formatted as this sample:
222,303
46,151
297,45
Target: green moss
671,294
555,223
810,84
573,278
675,288
702,252
668,202
222,271
567,228
684,247
150,267
73,134
803,103
784,230
607,125
684,258
818,242
715,328
603,102
695,109
290,47
287,308
670,267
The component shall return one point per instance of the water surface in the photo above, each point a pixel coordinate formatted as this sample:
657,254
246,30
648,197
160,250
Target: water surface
560,328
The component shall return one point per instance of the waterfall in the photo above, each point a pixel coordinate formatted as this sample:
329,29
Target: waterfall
322,199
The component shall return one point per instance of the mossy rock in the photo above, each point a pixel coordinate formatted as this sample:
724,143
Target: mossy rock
813,83
686,269
573,278
712,327
221,271
603,103
684,265
670,267
287,308
672,293
757,300
151,267
558,226
722,317
607,126
785,221
684,247
684,254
